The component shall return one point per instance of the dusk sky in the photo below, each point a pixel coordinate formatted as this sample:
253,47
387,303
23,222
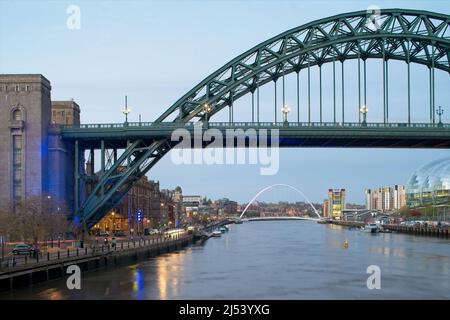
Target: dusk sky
155,51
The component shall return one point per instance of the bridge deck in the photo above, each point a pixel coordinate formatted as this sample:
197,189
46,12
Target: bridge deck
371,135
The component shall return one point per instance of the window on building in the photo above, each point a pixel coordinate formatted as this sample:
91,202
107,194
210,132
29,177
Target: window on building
17,145
17,88
17,190
17,115
17,142
27,88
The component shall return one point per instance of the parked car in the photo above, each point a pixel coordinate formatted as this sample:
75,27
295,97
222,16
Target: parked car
24,249
153,231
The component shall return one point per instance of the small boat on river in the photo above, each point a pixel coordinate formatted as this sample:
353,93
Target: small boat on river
371,228
216,233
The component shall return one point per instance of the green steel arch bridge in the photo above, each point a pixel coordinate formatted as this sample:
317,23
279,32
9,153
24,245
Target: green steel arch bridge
412,36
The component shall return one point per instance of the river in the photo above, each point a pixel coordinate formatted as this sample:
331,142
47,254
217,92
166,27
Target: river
274,260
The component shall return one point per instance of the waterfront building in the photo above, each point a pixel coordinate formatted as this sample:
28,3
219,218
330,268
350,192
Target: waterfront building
145,206
385,199
133,214
399,197
368,198
325,208
430,186
178,205
336,202
167,207
380,202
65,113
375,199
364,215
226,206
191,204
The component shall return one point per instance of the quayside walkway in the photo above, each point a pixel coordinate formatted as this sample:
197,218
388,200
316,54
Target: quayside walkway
20,271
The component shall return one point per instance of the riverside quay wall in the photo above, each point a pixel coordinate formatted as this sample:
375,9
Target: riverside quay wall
52,267
414,230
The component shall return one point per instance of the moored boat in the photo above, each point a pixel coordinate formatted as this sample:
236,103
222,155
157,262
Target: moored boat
371,228
216,233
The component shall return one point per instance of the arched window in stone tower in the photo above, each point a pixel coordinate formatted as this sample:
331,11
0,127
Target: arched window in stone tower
17,115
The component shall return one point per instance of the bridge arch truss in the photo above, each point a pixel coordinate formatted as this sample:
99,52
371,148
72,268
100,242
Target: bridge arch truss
409,35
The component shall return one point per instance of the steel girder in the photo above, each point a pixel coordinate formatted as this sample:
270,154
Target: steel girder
114,183
410,35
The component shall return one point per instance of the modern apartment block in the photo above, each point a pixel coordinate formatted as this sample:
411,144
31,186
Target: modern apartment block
386,198
336,203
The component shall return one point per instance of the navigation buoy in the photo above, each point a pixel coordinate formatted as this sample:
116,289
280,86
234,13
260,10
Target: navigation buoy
345,244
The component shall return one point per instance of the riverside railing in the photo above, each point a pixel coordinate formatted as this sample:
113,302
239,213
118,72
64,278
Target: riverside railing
12,261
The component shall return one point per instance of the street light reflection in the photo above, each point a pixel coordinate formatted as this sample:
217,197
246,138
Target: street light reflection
51,294
169,274
138,283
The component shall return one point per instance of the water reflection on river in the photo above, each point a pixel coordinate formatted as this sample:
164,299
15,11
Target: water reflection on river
274,260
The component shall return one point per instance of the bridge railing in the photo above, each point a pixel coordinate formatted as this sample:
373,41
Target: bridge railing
167,125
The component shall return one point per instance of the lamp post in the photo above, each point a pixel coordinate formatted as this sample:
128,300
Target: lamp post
440,112
364,111
206,109
139,219
113,215
284,112
126,110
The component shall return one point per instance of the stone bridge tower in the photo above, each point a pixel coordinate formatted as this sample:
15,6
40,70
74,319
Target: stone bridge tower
33,159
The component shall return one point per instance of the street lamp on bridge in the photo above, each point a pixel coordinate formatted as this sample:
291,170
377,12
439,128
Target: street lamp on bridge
364,111
126,110
206,109
284,112
440,112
